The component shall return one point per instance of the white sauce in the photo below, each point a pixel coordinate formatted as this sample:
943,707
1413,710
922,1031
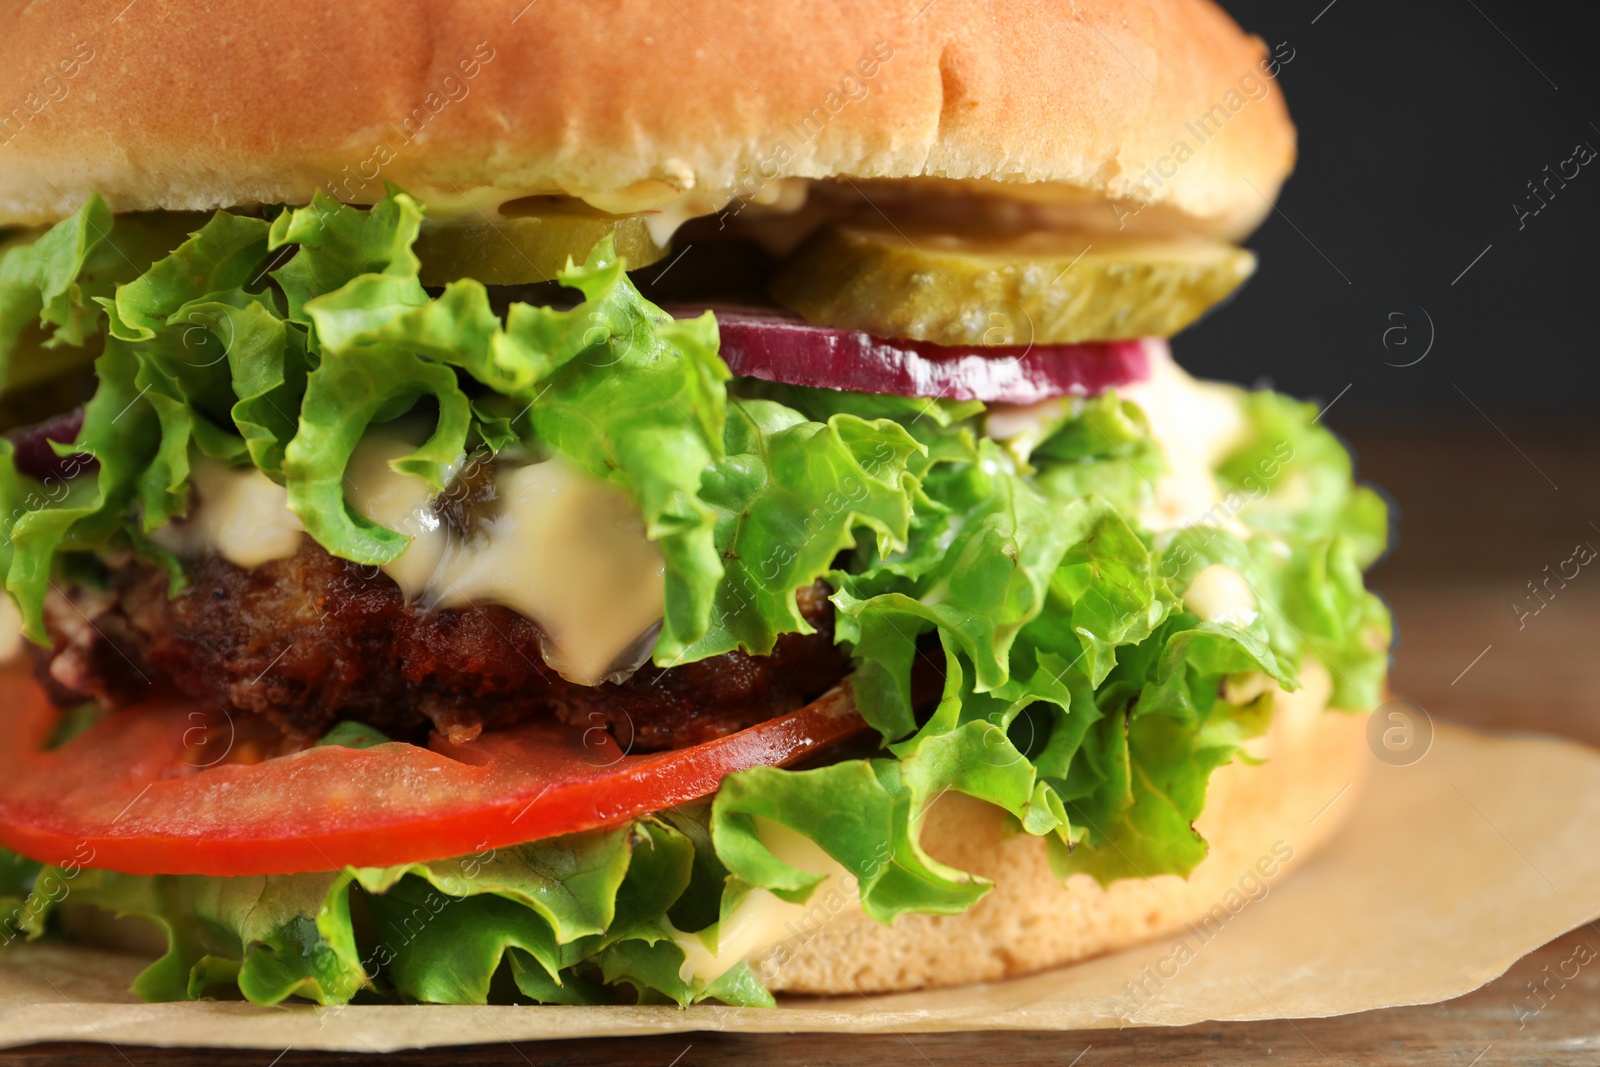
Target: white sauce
1021,427
1220,594
242,514
10,630
1294,715
667,206
664,221
762,921
1245,688
1195,424
666,203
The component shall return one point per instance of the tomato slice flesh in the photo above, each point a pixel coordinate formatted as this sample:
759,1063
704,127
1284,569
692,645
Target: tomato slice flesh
134,793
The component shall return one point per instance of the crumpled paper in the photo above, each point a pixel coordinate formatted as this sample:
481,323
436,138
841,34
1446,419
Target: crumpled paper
1449,869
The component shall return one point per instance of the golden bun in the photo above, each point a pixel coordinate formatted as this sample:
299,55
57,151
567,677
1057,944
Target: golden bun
167,104
1258,821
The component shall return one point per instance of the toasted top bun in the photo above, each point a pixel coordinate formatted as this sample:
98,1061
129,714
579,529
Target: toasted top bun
633,103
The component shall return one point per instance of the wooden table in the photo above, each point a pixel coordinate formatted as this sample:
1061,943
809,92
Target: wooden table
1482,517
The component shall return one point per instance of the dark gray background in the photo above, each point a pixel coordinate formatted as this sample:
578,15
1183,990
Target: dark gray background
1420,123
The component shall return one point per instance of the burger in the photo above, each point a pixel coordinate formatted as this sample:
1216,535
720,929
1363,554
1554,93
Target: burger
580,503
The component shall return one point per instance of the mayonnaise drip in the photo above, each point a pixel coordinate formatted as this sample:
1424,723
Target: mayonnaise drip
10,630
1220,594
762,921
1195,424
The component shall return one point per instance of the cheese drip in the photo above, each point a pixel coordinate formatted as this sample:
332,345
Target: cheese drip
242,515
562,549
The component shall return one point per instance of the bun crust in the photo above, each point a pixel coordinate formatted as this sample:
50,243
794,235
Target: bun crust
1257,820
166,104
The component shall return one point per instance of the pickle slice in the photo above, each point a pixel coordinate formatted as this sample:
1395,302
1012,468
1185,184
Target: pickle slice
1039,287
532,248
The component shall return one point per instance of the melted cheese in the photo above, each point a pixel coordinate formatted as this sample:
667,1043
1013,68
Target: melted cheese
763,921
1220,594
562,549
1195,424
401,502
242,515
568,552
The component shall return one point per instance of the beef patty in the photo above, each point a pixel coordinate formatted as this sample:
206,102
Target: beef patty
311,640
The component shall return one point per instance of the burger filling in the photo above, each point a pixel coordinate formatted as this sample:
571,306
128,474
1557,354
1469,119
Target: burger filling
826,516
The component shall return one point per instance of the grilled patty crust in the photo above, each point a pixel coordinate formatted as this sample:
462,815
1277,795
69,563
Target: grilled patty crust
312,640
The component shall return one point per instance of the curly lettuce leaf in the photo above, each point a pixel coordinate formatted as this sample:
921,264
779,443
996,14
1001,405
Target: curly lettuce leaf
790,494
644,405
1080,694
51,283
1296,479
557,920
986,576
344,395
278,344
1105,449
39,519
1068,649
336,243
614,384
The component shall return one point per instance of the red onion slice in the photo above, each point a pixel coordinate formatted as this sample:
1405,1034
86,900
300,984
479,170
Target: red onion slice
776,347
34,456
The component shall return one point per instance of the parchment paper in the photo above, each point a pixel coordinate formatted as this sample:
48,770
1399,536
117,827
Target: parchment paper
1448,871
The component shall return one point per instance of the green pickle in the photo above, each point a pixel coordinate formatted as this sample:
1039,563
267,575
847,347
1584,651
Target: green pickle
528,248
1039,287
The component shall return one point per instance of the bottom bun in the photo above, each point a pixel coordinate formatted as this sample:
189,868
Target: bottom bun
1262,821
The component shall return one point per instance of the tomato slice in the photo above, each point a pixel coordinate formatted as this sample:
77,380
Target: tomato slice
147,790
